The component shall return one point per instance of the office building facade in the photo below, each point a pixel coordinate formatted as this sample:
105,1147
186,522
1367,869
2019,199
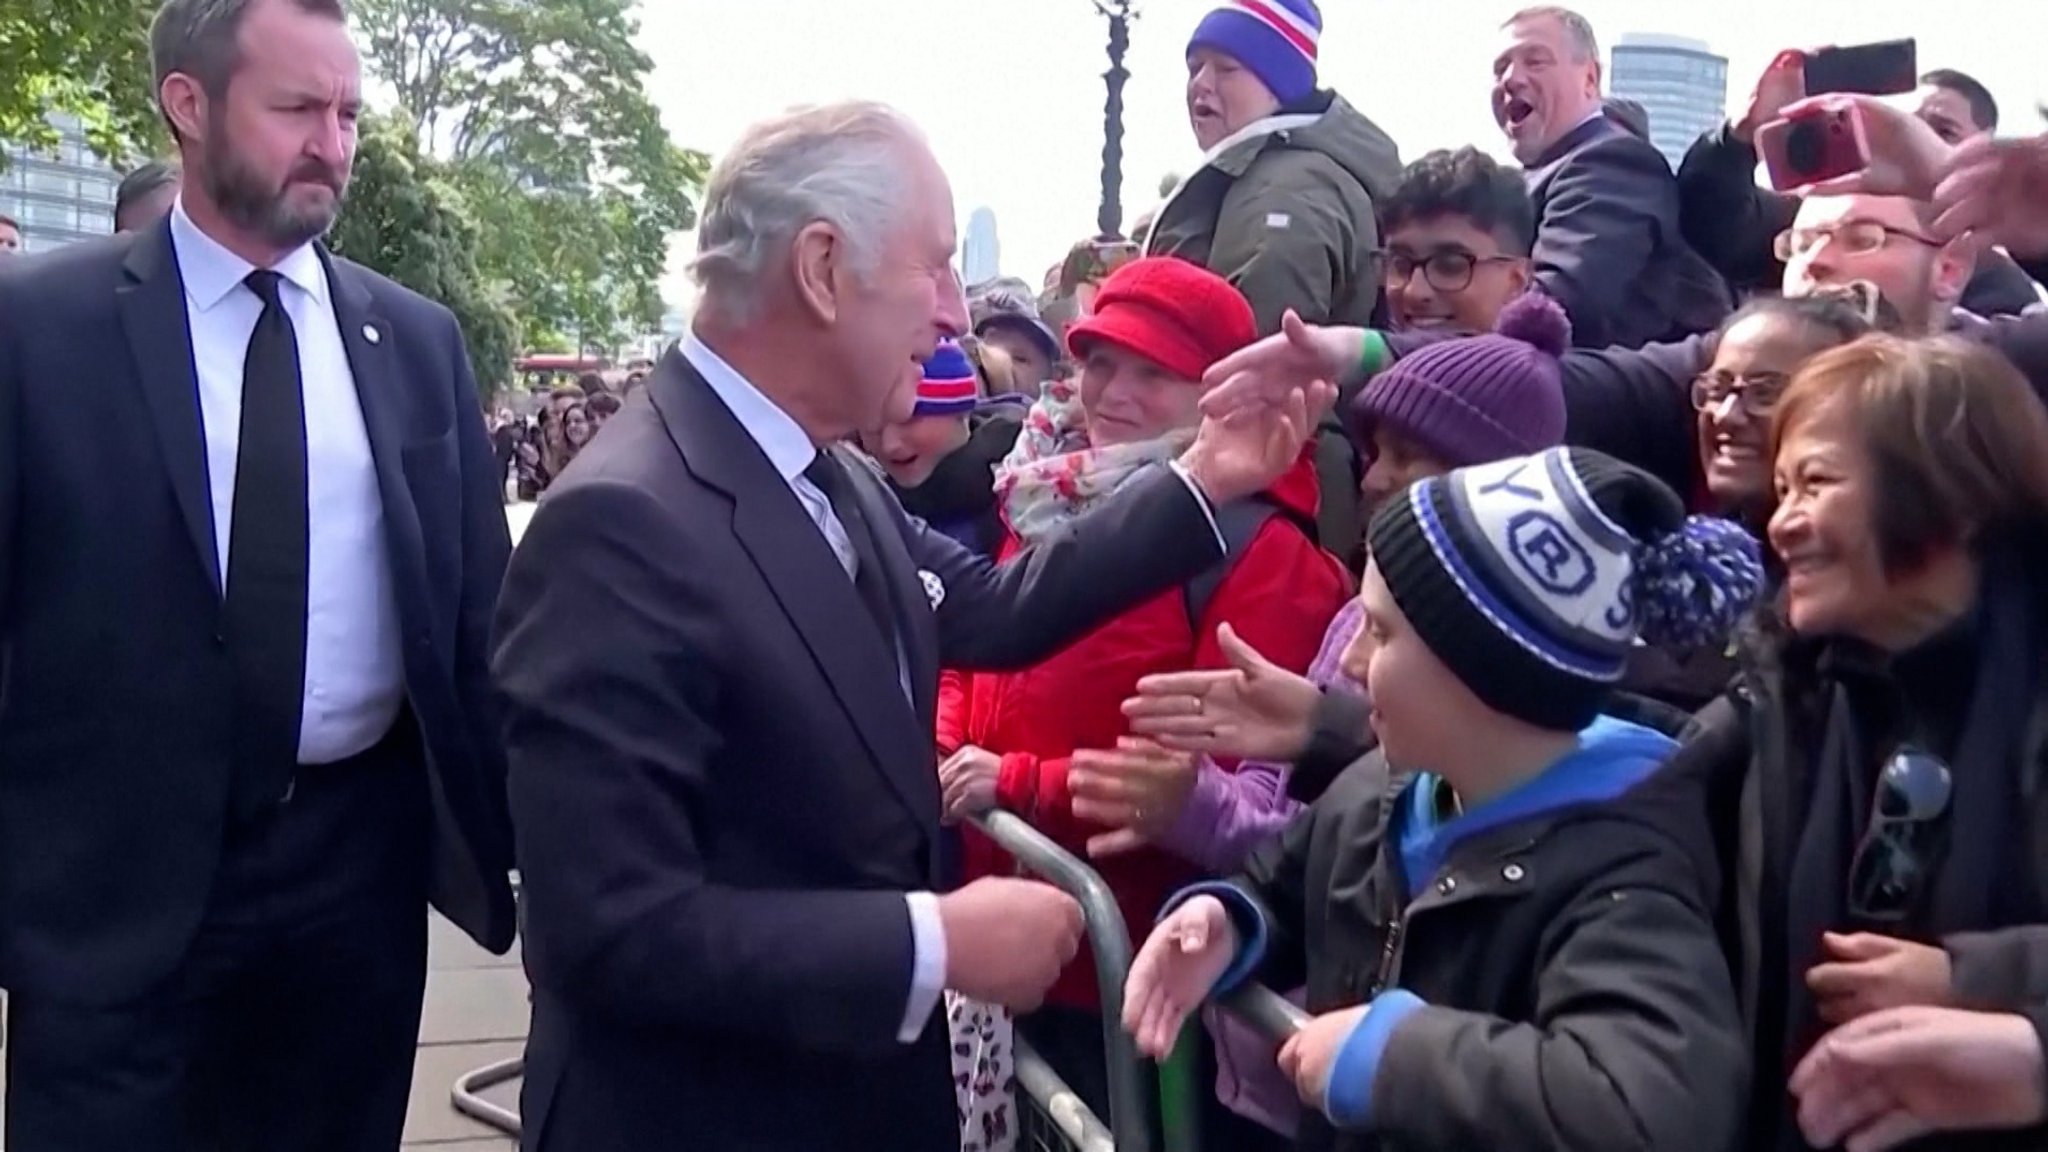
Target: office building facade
1680,83
59,197
981,254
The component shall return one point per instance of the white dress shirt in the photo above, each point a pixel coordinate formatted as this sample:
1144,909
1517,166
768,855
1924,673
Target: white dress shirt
789,449
355,678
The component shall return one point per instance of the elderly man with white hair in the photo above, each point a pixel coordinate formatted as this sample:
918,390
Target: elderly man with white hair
719,645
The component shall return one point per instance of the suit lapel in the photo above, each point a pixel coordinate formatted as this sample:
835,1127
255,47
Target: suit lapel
376,368
907,594
153,318
806,580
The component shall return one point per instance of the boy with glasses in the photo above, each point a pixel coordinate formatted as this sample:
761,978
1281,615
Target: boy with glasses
1457,231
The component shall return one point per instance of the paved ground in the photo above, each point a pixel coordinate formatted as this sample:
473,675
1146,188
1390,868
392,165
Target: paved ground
475,1014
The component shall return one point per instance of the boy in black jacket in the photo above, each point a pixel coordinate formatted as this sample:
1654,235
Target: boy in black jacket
1497,956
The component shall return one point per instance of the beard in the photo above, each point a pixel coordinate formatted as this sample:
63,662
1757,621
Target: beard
266,209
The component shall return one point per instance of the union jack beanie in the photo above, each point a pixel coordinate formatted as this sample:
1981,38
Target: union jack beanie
1275,39
949,386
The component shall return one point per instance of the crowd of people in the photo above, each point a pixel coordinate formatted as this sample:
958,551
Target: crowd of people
1575,629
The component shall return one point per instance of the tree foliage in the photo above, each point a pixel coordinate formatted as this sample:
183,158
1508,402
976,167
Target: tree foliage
86,57
405,218
541,111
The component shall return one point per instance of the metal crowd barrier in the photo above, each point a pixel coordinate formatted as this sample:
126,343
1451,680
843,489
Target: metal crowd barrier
1275,1016
467,1095
1130,1119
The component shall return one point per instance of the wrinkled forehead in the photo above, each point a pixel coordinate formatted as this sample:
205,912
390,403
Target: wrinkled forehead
1828,211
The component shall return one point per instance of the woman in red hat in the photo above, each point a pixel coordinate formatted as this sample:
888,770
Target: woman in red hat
1013,740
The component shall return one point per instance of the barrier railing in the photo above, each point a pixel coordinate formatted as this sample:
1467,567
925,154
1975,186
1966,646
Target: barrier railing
1130,1121
467,1095
1275,1016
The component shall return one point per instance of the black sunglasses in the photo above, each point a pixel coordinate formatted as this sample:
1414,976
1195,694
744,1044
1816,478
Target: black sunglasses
1892,864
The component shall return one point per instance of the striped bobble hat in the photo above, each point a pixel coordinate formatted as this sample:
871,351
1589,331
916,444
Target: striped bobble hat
949,386
1532,578
1277,40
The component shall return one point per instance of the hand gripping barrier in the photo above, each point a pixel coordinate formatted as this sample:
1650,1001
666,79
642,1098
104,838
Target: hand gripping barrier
1130,1121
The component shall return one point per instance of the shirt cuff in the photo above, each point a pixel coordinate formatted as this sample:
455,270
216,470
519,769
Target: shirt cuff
1208,513
928,966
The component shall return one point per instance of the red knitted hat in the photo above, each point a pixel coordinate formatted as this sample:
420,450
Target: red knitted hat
1178,315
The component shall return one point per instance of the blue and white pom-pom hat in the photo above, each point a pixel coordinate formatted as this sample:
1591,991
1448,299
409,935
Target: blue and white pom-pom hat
1531,578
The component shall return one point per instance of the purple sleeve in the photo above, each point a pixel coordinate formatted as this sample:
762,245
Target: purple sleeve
1230,813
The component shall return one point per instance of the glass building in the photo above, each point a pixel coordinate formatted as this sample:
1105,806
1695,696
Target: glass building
59,197
1679,82
981,254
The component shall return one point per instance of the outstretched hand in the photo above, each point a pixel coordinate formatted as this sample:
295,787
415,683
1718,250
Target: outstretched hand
1242,452
1298,356
1172,975
1252,710
1907,157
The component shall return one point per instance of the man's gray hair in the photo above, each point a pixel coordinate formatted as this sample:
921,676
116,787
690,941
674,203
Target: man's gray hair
842,164
200,38
1585,46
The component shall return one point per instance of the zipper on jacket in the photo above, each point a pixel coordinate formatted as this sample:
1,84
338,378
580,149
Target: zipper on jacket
1390,953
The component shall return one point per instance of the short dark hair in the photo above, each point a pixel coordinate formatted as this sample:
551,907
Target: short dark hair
1467,183
200,39
602,404
1983,108
10,221
144,181
1831,314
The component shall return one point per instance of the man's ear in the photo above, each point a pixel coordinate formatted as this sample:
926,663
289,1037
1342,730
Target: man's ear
1954,264
819,270
184,104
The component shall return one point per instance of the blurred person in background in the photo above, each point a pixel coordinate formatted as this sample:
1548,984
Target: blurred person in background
1733,222
145,195
941,462
1608,245
601,408
10,236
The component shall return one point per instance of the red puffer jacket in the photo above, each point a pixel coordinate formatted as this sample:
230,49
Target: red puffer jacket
1279,595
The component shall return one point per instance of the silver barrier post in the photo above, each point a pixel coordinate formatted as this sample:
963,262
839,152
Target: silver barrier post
1129,1119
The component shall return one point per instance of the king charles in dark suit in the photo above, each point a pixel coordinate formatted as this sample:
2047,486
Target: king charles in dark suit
720,643
250,539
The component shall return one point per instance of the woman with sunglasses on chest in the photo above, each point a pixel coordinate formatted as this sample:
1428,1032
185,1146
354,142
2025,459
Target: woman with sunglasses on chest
1879,769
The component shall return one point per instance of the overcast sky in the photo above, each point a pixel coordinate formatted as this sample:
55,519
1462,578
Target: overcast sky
1011,92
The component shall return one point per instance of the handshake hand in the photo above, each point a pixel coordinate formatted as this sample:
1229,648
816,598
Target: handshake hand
1007,939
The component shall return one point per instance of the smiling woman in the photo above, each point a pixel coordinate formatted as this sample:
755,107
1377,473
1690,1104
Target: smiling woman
1897,466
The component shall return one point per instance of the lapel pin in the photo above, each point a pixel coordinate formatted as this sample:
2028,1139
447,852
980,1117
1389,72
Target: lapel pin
370,333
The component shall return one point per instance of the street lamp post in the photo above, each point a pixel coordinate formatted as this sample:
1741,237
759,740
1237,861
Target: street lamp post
1109,216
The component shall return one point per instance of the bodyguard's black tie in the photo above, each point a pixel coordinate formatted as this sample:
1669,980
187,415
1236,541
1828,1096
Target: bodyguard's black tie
267,564
830,477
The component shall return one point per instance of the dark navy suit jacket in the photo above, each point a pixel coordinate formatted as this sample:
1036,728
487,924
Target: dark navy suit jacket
722,791
115,726
1608,244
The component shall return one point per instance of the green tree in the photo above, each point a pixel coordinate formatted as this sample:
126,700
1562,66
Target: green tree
86,57
406,219
540,107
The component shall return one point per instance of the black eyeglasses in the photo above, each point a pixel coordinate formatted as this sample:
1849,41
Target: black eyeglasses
1446,269
1893,862
1755,392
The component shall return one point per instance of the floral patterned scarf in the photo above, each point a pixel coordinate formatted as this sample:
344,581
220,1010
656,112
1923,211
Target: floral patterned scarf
1052,475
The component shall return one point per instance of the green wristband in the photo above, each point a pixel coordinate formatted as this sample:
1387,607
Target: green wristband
1373,354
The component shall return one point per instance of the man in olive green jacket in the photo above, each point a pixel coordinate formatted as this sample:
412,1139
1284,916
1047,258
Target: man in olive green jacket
1283,203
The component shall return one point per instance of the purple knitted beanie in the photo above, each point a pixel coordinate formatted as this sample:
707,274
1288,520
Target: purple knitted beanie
1480,398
